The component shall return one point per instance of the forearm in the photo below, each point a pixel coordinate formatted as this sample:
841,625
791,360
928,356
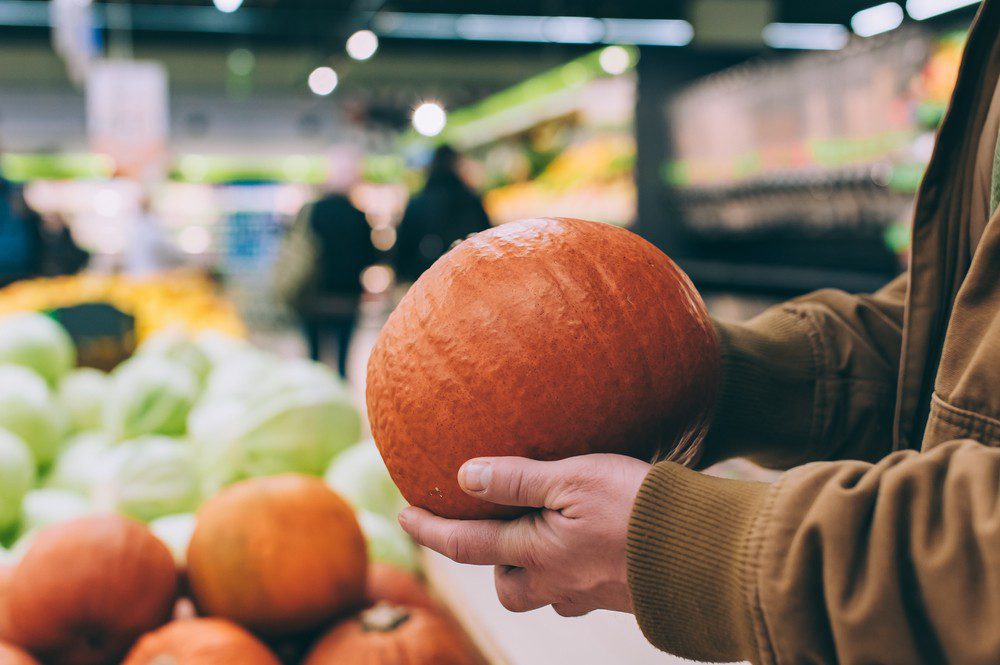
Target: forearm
837,562
813,379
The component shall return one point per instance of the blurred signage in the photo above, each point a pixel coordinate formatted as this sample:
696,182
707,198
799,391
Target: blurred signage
75,36
104,335
731,22
128,115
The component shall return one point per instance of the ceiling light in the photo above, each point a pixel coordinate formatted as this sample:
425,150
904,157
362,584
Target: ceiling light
878,19
362,44
228,6
615,60
323,81
429,119
923,9
807,36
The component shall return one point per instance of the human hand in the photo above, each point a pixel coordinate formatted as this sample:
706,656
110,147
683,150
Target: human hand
571,554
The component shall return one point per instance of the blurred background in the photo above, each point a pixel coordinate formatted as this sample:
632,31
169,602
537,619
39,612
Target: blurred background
770,147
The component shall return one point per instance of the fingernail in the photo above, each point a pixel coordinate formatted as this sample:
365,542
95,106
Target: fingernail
403,517
475,476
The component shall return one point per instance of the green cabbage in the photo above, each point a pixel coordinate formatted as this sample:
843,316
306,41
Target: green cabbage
17,476
175,532
148,478
221,348
81,395
80,464
37,342
149,395
359,475
175,346
387,542
47,506
29,410
294,418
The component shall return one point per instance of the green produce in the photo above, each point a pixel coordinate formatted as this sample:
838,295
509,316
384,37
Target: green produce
46,506
29,410
37,342
387,542
149,395
295,418
80,464
81,395
220,348
17,476
175,346
175,532
148,478
360,476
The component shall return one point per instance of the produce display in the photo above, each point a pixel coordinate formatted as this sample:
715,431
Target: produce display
449,380
181,299
228,455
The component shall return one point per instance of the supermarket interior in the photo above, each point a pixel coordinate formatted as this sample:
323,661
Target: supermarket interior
210,208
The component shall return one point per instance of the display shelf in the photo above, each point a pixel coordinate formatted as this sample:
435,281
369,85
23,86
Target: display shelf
540,636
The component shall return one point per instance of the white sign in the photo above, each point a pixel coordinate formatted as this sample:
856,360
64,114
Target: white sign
128,115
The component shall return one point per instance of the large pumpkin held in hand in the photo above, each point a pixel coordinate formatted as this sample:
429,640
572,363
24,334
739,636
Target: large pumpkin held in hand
200,642
393,635
87,589
280,555
546,338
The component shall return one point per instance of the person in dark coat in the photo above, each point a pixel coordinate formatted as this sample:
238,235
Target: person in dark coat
345,249
445,211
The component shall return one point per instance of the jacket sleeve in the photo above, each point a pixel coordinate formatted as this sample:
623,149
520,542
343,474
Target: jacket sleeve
809,380
849,562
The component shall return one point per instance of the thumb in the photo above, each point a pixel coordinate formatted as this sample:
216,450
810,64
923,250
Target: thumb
513,481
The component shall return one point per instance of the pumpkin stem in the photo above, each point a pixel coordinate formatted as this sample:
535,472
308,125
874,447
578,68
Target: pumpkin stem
383,617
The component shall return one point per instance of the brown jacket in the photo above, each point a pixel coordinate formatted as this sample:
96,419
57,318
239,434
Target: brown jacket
884,546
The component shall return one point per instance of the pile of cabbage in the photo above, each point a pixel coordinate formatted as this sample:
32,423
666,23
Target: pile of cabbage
169,427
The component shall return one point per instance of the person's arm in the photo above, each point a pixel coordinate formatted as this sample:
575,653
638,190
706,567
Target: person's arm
809,380
896,562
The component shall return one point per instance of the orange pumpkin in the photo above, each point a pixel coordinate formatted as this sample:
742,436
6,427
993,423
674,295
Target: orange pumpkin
6,575
546,338
200,642
11,655
395,586
279,555
86,589
391,635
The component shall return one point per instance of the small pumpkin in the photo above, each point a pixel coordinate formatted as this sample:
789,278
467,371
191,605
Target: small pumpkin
280,555
200,642
546,338
395,586
88,588
392,635
11,655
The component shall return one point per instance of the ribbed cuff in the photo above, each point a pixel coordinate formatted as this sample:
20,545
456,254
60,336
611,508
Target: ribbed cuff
689,562
766,402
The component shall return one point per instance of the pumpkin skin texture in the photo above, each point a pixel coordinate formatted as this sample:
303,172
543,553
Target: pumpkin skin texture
200,642
11,655
87,589
280,555
547,339
389,635
395,586
6,576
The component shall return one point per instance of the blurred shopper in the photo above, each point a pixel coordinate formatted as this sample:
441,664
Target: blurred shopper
320,264
883,544
149,250
21,240
445,211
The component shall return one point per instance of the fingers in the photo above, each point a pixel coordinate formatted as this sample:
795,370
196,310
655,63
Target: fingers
514,589
514,481
569,610
517,593
479,542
